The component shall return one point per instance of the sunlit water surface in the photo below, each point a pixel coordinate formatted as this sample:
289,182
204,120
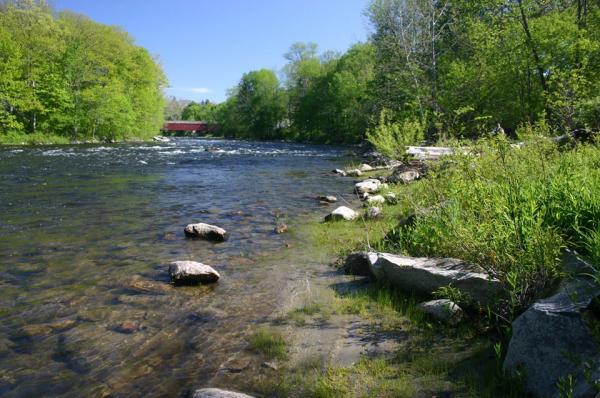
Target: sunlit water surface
86,235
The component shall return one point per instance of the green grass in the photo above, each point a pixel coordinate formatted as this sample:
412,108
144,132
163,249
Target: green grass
268,343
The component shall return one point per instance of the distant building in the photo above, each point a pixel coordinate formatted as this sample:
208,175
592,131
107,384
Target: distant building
188,126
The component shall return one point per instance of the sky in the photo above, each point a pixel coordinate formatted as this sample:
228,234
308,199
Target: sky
205,46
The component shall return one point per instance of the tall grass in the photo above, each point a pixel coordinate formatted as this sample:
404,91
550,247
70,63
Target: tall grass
510,210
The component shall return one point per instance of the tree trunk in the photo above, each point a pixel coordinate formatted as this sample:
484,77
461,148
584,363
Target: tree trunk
531,45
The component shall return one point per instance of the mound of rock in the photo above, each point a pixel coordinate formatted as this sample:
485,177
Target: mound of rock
192,273
206,231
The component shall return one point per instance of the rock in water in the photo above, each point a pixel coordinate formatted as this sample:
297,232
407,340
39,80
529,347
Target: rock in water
281,228
328,199
552,341
367,186
339,172
192,273
218,393
426,275
342,213
206,231
442,310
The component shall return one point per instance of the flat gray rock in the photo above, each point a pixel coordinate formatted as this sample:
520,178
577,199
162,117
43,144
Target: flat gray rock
218,393
426,275
206,231
192,273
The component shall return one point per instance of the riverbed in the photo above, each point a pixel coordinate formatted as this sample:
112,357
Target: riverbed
86,236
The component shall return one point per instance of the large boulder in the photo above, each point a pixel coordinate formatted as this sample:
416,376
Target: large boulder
192,273
206,231
370,185
218,393
442,310
425,275
552,341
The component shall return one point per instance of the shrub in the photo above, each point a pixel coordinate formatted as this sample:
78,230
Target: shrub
510,210
391,138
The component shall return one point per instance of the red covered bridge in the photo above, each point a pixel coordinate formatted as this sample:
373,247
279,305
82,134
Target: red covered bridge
188,126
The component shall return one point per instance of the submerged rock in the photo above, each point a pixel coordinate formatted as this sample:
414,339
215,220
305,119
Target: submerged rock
127,327
342,213
425,275
357,263
367,186
218,393
206,231
47,328
553,340
281,228
443,310
192,273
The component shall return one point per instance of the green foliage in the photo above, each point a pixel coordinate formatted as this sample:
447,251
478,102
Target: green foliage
510,210
391,138
453,294
65,75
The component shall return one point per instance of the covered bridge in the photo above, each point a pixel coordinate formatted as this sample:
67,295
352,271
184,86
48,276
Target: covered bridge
188,126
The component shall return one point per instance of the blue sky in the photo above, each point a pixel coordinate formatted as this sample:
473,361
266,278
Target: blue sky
205,46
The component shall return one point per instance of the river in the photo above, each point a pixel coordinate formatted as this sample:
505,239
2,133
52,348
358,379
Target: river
86,236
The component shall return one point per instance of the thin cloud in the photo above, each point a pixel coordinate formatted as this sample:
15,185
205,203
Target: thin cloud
197,90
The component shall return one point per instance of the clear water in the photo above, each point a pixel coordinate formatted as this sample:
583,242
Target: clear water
86,235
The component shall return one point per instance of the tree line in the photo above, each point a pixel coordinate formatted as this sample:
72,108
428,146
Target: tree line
439,68
66,76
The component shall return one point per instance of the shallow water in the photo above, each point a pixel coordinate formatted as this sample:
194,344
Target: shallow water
87,232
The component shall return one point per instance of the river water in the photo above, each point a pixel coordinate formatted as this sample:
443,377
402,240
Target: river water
86,235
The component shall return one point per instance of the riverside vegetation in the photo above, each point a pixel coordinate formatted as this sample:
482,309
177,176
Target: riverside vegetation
511,209
66,78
